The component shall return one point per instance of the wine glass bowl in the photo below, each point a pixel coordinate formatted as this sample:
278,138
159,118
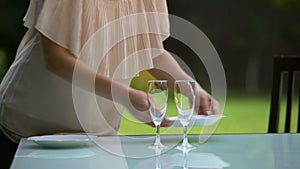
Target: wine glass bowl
184,98
157,92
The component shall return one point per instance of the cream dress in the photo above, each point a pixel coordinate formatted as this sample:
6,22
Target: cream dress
117,38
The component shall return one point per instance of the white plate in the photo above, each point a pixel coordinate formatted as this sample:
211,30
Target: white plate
61,141
198,120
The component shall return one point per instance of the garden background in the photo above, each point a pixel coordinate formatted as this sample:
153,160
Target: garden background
245,33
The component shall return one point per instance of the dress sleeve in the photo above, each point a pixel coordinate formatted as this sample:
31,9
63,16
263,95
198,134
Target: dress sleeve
110,35
58,20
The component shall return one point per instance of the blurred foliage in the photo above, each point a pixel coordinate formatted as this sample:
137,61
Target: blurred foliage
286,4
11,25
3,64
246,34
140,82
239,30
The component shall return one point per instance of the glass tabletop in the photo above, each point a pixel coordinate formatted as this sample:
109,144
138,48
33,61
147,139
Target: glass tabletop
245,151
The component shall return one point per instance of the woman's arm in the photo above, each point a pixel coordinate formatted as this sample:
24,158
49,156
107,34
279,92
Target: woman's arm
166,67
61,62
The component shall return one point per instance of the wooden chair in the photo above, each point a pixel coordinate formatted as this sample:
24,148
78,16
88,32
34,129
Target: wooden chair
290,65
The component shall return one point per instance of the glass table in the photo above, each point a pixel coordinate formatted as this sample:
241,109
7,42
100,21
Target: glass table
238,151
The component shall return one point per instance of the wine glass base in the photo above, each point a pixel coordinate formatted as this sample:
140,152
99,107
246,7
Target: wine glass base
157,146
185,148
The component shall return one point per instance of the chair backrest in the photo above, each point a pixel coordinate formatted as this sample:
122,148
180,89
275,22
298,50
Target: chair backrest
289,64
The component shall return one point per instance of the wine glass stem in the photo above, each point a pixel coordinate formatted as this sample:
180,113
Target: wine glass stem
157,140
185,139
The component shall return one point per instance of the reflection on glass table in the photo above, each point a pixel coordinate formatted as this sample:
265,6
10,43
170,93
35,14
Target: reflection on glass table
183,159
61,153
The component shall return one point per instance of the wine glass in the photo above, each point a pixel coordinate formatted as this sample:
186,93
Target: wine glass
184,97
157,92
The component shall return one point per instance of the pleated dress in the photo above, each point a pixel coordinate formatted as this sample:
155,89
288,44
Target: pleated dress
116,38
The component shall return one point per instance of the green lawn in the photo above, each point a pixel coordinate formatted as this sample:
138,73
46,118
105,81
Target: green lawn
245,113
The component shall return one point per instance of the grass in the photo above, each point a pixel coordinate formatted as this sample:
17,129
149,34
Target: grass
245,113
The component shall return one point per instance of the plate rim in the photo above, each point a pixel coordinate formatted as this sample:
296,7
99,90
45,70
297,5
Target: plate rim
196,117
36,138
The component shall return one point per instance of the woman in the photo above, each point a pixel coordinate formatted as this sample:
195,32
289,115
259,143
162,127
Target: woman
100,39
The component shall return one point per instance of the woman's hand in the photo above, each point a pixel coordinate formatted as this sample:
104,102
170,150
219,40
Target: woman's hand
140,108
205,104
